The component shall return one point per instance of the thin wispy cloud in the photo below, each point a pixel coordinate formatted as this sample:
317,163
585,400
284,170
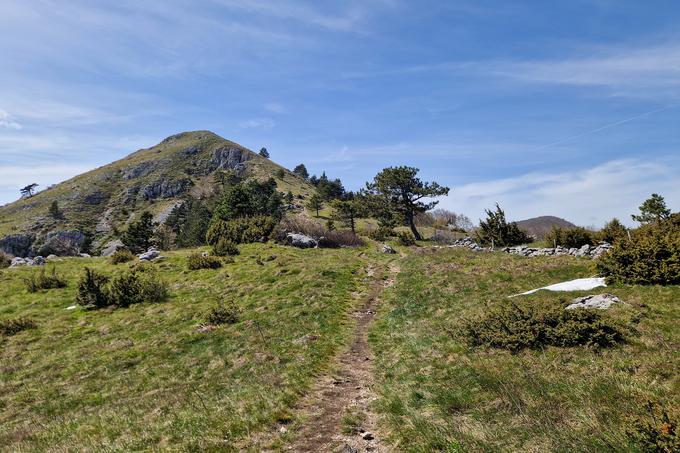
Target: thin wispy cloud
8,122
635,71
257,123
587,196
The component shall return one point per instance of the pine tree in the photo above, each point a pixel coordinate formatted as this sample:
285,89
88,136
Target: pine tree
264,152
496,231
315,203
138,235
654,209
301,171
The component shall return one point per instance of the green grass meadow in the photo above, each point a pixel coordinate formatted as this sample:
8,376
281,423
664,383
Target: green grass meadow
437,394
144,378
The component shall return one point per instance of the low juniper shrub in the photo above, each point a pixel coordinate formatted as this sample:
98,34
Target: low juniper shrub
197,261
13,326
223,314
534,324
121,255
43,280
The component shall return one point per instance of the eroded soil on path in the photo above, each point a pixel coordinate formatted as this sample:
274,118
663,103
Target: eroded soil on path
337,412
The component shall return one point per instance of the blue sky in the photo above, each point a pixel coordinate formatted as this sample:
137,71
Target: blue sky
568,108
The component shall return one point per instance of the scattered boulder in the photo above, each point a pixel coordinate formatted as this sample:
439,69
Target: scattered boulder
111,247
599,301
300,241
18,262
386,248
85,255
469,243
150,255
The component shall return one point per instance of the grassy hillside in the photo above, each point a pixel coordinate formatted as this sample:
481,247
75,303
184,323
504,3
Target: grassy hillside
147,378
144,377
438,394
151,179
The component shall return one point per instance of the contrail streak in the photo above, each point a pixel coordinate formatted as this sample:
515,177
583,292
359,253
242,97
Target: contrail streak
607,126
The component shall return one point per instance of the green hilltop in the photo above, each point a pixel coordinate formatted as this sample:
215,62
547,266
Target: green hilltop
153,179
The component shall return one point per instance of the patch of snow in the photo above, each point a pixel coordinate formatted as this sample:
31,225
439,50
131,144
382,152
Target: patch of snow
580,284
72,307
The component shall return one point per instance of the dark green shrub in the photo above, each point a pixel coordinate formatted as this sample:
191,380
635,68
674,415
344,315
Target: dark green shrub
92,291
197,261
650,257
496,231
657,432
532,324
569,237
242,230
137,285
5,260
381,234
406,238
121,256
612,232
223,314
10,327
224,247
43,280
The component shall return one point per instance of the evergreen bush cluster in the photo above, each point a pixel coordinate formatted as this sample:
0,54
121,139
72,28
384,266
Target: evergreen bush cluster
121,255
13,326
650,257
496,231
137,285
531,325
575,237
242,230
197,261
224,247
223,314
406,238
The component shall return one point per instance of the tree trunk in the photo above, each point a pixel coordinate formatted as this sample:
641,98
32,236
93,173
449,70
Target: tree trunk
412,224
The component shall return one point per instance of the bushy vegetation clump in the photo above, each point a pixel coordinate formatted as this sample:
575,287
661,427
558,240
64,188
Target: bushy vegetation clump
225,247
242,230
575,237
658,431
530,325
405,238
43,280
496,231
197,261
650,257
223,314
134,286
13,326
381,234
612,232
121,255
5,260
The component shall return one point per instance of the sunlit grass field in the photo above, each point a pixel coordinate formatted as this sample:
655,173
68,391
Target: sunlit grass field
143,377
438,394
